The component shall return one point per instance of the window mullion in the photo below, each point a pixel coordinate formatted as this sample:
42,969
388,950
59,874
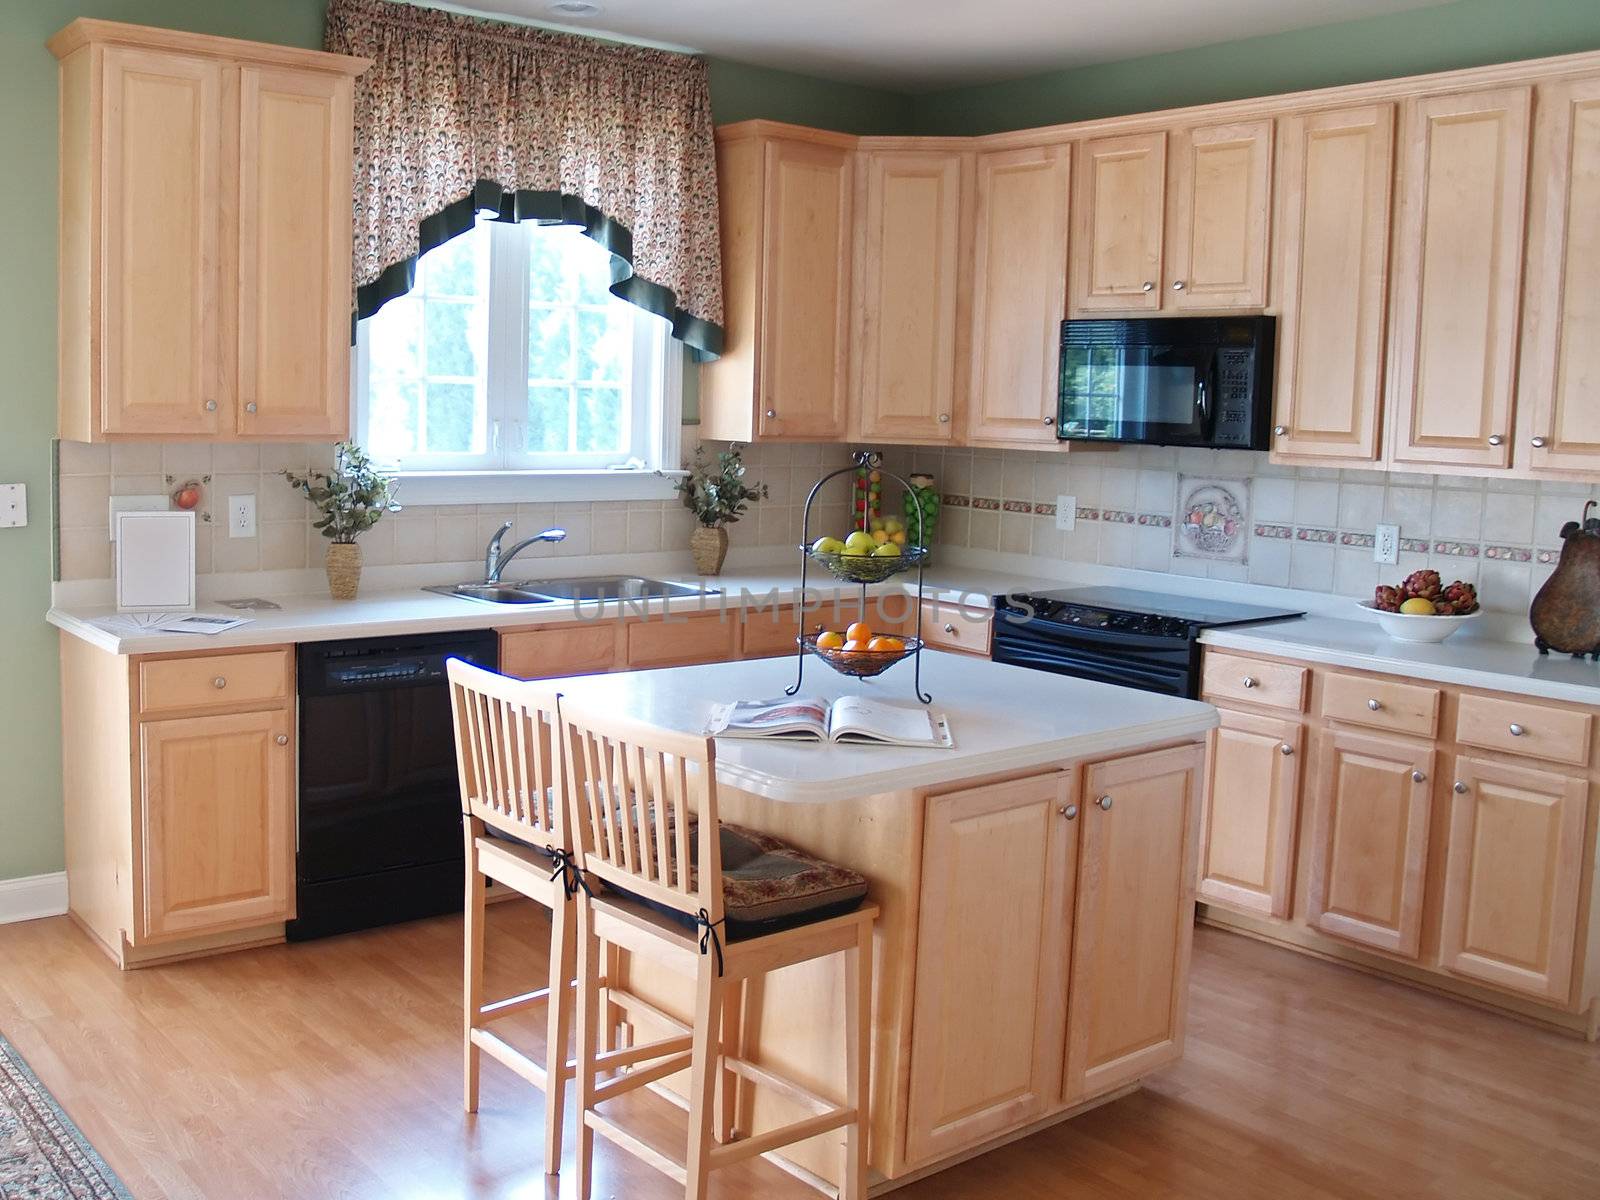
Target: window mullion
506,383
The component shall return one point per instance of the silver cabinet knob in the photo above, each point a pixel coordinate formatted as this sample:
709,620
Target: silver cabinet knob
1285,749
283,739
1460,788
1538,443
1248,681
251,407
771,412
1147,286
949,628
211,406
944,418
1374,704
220,682
1049,420
1105,803
1177,285
1417,777
1495,439
1069,811
1517,730
1280,430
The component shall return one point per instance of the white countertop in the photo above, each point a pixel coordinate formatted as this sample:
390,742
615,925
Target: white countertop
1462,659
1002,718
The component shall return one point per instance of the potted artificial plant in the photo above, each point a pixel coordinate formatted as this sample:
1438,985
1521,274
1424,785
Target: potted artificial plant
349,501
717,494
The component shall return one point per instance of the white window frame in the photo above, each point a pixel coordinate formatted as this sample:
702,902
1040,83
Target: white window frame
653,418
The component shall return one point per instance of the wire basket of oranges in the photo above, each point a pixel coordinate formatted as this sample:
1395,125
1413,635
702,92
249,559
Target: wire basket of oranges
858,651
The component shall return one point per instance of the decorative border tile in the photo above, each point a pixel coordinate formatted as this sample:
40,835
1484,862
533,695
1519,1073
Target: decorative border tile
1305,533
1456,549
1281,532
1414,545
1016,506
955,500
1088,514
1546,557
1508,553
1118,516
985,504
1044,510
1363,540
1156,520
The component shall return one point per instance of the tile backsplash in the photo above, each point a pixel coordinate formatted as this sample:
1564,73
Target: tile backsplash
89,475
1307,528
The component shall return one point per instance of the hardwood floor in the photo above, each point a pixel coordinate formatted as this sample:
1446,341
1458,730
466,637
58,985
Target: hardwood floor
332,1069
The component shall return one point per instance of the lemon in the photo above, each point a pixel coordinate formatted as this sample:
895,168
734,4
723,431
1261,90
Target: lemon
1418,606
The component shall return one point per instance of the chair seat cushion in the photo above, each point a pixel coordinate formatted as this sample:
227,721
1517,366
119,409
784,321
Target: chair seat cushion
768,885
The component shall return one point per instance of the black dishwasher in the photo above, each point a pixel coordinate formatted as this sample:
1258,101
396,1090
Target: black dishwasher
380,807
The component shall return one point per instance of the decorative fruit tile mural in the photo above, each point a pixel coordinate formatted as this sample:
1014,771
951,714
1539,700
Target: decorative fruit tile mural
1212,520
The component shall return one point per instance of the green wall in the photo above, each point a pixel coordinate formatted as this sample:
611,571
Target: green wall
30,773
1466,33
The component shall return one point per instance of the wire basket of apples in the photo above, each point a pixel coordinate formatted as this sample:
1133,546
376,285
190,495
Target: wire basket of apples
1423,608
868,555
858,651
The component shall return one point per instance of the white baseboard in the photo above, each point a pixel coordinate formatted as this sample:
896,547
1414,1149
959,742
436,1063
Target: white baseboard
33,896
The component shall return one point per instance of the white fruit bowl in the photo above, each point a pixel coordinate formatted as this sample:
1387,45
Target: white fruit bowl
1417,627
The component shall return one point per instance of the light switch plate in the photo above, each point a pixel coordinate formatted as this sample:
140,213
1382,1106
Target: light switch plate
13,505
242,516
135,504
1386,544
1066,513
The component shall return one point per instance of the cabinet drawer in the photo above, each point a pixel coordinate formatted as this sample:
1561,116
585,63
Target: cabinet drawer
1518,727
769,632
675,641
1380,704
213,681
952,627
589,649
1273,685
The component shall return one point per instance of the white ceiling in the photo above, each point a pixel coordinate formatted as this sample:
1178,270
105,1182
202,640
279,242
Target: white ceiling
921,45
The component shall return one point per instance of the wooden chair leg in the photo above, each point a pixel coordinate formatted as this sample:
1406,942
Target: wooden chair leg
472,972
558,1026
858,1061
703,1071
732,1046
588,976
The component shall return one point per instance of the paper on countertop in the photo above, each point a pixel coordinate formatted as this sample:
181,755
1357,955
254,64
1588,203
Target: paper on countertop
129,624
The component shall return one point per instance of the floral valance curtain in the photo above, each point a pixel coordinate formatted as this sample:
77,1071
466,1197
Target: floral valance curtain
459,115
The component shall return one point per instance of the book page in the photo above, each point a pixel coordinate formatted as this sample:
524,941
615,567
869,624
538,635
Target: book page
856,718
802,716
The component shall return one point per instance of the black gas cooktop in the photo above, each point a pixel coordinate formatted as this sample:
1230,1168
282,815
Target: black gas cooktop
1145,612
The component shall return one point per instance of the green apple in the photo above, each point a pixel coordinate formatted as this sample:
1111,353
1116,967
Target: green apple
827,545
886,550
859,542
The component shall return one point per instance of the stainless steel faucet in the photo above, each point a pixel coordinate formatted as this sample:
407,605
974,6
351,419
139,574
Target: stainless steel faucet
495,559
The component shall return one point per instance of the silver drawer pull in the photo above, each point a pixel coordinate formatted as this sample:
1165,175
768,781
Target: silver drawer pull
1460,788
1538,443
944,418
251,407
1280,430
220,682
1248,681
1069,811
1178,285
1417,777
1374,704
211,406
1517,730
1105,803
283,739
949,628
771,412
1285,749
1147,286
1495,439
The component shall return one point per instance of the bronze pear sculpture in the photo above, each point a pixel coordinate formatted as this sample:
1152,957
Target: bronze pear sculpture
1566,613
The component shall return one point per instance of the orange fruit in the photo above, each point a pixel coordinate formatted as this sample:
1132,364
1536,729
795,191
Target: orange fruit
855,645
859,632
831,640
884,642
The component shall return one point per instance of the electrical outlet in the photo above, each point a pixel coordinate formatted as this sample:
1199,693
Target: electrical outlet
1386,544
242,516
1066,513
13,505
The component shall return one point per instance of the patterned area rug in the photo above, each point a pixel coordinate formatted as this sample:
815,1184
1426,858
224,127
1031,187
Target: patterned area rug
43,1156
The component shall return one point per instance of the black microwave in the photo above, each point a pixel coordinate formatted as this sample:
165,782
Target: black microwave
1168,381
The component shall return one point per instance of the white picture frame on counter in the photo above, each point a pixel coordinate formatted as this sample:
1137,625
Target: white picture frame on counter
155,561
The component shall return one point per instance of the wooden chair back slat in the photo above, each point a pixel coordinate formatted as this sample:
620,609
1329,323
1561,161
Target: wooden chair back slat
633,790
506,754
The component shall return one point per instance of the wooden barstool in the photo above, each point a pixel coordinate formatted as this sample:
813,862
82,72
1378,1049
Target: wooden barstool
642,805
508,755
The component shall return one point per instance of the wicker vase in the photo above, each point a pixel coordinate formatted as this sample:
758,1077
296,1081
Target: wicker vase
709,544
344,570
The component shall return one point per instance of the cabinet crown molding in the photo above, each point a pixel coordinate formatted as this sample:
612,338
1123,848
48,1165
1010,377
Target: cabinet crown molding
86,31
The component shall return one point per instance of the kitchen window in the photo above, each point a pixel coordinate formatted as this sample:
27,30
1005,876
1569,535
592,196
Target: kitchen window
511,357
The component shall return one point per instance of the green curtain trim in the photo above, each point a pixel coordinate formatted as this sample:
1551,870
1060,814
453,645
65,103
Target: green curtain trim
703,338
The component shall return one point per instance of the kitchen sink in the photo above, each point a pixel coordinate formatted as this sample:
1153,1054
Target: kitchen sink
549,591
492,593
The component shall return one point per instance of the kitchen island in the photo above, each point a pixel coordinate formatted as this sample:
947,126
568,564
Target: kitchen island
1035,885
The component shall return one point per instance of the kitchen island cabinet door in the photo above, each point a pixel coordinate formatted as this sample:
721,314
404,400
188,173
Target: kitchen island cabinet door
1458,278
1251,799
217,823
994,931
1512,877
1134,919
1220,210
1369,843
1119,214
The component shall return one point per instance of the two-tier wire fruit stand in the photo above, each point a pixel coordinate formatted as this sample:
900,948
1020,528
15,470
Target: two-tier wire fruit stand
864,570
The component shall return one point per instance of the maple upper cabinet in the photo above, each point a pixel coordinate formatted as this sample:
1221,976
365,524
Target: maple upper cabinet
1331,265
787,238
903,345
1019,251
1219,207
1558,418
1252,800
1119,212
205,229
1463,179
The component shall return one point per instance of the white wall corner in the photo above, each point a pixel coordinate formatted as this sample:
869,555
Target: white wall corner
33,896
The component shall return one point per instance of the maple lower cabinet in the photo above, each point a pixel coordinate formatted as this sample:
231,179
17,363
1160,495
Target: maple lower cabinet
1463,180
1251,804
910,228
1513,875
1334,189
787,240
1219,211
1134,918
1018,295
990,994
1558,420
1119,213
204,243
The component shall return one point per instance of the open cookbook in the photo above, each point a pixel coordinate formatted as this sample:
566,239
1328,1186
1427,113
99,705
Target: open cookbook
847,719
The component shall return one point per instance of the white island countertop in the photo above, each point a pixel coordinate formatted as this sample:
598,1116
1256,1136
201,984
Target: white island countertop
1002,718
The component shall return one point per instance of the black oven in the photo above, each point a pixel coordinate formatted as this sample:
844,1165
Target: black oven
1168,381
